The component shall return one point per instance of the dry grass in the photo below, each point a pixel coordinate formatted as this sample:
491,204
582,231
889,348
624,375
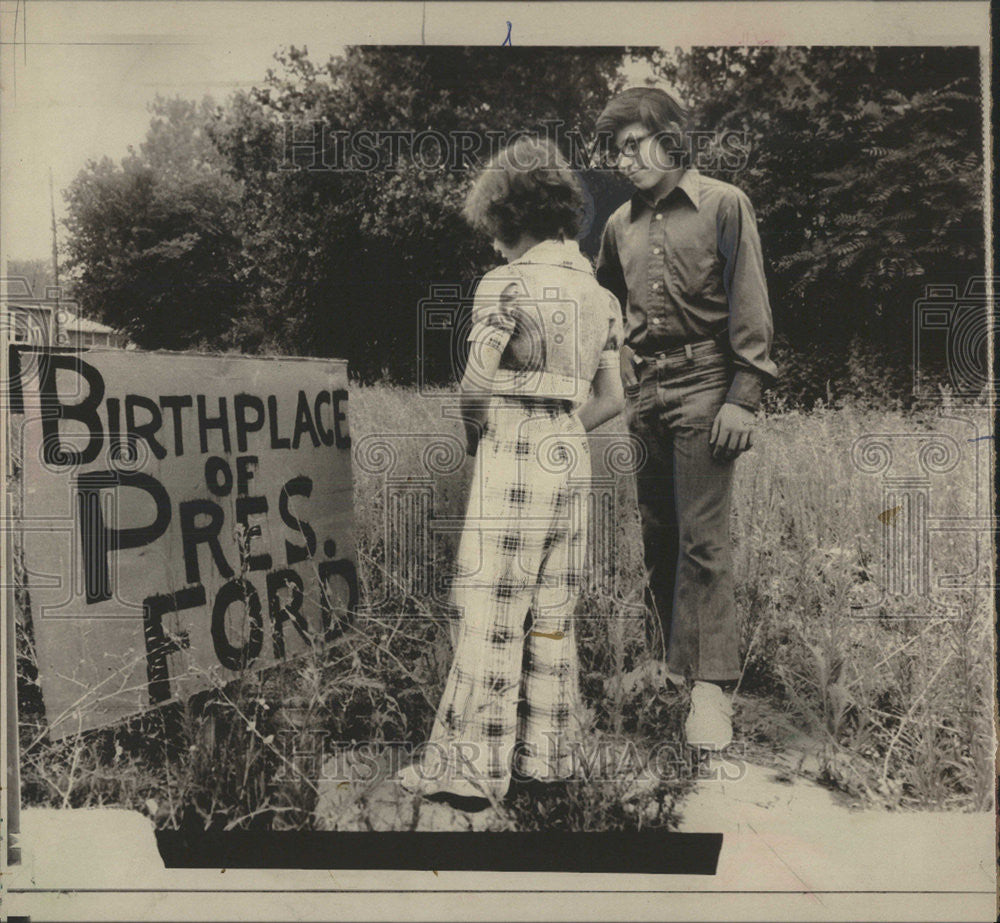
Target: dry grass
895,697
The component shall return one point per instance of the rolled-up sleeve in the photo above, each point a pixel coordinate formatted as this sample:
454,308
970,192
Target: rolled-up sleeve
750,326
493,313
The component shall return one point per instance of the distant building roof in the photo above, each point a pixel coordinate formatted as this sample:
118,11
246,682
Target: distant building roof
68,319
85,324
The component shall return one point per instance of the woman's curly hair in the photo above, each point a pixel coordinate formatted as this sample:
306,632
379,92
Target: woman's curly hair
528,188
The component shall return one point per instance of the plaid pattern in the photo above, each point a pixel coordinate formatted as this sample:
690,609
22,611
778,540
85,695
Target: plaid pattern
552,322
514,679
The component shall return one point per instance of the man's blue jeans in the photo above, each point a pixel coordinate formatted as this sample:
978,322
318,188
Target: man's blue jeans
684,500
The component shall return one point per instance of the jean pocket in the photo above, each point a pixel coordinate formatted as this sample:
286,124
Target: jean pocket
700,423
707,371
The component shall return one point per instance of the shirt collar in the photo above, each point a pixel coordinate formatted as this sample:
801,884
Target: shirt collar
689,184
565,253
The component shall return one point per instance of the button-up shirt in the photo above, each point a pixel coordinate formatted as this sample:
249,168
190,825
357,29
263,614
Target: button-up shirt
688,268
552,322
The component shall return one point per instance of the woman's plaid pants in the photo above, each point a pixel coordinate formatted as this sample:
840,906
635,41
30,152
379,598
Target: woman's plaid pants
511,701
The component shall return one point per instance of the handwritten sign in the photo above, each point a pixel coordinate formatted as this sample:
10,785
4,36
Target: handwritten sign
185,517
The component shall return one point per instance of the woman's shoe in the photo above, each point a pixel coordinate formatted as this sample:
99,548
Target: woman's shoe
468,804
462,789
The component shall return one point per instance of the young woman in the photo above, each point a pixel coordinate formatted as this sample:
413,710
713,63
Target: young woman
543,370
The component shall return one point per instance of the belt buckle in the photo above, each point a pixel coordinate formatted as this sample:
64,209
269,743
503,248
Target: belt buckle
665,355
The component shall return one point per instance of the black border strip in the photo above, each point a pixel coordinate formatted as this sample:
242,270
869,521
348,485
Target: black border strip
630,852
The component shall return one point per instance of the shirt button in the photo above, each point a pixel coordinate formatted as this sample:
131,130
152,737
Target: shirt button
657,250
659,217
657,286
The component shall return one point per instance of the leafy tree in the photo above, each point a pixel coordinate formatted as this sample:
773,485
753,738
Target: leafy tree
151,242
341,259
865,167
269,224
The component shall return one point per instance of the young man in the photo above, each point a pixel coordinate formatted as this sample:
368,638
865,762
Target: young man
684,257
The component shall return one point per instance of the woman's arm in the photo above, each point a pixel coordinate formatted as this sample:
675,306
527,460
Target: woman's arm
480,370
493,323
607,399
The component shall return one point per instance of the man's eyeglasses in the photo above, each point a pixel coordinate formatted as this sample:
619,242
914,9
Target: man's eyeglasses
662,155
629,149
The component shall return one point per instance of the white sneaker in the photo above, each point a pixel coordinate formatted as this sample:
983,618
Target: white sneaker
709,724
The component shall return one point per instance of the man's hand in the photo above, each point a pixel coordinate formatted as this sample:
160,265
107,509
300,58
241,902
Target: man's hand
627,367
473,432
732,432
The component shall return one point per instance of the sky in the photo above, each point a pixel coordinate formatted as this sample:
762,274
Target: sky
76,77
79,89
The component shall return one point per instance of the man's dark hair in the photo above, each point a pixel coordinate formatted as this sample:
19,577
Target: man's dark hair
656,109
527,188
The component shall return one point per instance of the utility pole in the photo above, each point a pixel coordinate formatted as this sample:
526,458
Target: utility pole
55,249
55,327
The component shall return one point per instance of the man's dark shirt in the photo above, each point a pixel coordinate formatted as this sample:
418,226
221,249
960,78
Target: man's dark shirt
688,268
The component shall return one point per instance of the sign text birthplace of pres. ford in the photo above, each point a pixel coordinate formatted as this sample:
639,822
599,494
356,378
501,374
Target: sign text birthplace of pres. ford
184,516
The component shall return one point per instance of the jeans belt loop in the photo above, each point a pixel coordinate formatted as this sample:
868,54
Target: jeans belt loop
689,352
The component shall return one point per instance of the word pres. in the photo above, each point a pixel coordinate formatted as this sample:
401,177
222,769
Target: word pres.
177,510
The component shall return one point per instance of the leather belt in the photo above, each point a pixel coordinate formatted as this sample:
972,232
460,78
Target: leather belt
547,404
686,350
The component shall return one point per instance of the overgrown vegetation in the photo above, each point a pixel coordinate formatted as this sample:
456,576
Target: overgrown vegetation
891,694
864,166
